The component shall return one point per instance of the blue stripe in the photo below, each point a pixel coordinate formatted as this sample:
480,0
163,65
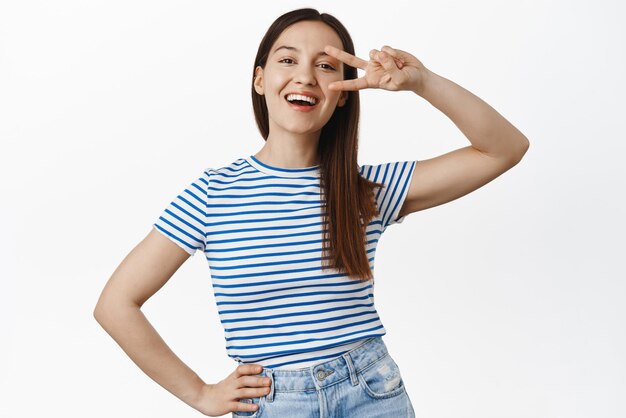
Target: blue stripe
289,314
290,305
180,221
267,228
275,263
266,202
174,237
394,198
258,212
265,237
283,289
200,200
260,185
186,212
243,257
179,229
270,282
291,324
266,273
312,331
334,337
248,196
256,247
302,350
338,292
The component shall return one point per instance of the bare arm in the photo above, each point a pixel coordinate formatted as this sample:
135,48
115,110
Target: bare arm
496,146
486,129
140,275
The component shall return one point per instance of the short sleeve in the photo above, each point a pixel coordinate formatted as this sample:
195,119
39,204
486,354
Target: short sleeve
184,219
396,176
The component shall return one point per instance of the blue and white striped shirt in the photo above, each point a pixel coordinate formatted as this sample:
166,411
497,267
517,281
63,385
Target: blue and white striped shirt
260,230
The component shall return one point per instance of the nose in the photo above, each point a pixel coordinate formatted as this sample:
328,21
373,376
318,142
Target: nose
305,75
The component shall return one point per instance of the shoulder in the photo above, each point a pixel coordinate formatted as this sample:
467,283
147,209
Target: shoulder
231,169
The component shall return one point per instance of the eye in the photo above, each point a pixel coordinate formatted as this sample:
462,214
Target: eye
327,66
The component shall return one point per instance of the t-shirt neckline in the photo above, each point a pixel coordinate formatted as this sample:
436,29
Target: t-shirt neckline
283,172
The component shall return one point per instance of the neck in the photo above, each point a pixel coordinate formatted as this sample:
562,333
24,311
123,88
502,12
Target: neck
290,151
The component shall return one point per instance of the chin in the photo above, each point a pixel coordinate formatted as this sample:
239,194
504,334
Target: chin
301,130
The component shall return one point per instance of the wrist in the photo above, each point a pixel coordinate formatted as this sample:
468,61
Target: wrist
424,79
196,400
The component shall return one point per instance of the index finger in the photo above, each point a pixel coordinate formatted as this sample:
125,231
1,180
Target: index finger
345,57
245,369
349,85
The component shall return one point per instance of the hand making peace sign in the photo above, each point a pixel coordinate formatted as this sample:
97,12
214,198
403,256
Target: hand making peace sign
389,69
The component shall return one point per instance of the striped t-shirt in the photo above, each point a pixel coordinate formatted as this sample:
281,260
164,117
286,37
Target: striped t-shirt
260,230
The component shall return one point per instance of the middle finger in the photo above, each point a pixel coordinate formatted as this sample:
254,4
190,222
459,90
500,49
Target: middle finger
253,381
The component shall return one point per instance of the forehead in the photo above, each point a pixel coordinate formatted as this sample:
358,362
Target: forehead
308,36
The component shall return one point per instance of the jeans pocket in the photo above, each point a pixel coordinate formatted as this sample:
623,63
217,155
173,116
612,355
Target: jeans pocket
382,378
250,414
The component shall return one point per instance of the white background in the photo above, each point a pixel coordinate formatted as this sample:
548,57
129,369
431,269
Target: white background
508,302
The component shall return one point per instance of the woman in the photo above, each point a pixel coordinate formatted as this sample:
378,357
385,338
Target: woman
290,233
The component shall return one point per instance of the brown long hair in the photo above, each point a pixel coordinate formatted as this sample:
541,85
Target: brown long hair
346,193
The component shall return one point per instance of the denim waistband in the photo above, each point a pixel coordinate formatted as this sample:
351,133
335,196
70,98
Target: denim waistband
328,372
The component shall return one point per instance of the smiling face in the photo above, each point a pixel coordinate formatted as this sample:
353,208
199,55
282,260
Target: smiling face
297,64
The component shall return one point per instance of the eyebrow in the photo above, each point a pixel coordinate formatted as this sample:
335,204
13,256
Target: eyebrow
292,48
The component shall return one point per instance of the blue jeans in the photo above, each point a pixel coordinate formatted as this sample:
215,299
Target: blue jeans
364,382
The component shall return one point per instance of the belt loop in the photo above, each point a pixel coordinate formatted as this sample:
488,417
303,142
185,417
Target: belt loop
270,396
353,377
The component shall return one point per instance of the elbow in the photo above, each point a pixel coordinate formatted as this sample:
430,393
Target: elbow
525,145
112,309
103,307
100,313
105,311
520,150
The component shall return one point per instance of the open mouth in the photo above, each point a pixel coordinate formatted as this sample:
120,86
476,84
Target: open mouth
301,101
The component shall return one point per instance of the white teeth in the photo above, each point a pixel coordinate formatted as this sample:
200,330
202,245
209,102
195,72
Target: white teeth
291,97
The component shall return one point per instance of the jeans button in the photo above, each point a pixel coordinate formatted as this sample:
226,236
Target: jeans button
323,374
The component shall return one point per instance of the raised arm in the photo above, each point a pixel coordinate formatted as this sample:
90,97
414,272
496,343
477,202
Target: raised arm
496,145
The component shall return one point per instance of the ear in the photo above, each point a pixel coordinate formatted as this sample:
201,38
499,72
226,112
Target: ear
343,98
258,80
